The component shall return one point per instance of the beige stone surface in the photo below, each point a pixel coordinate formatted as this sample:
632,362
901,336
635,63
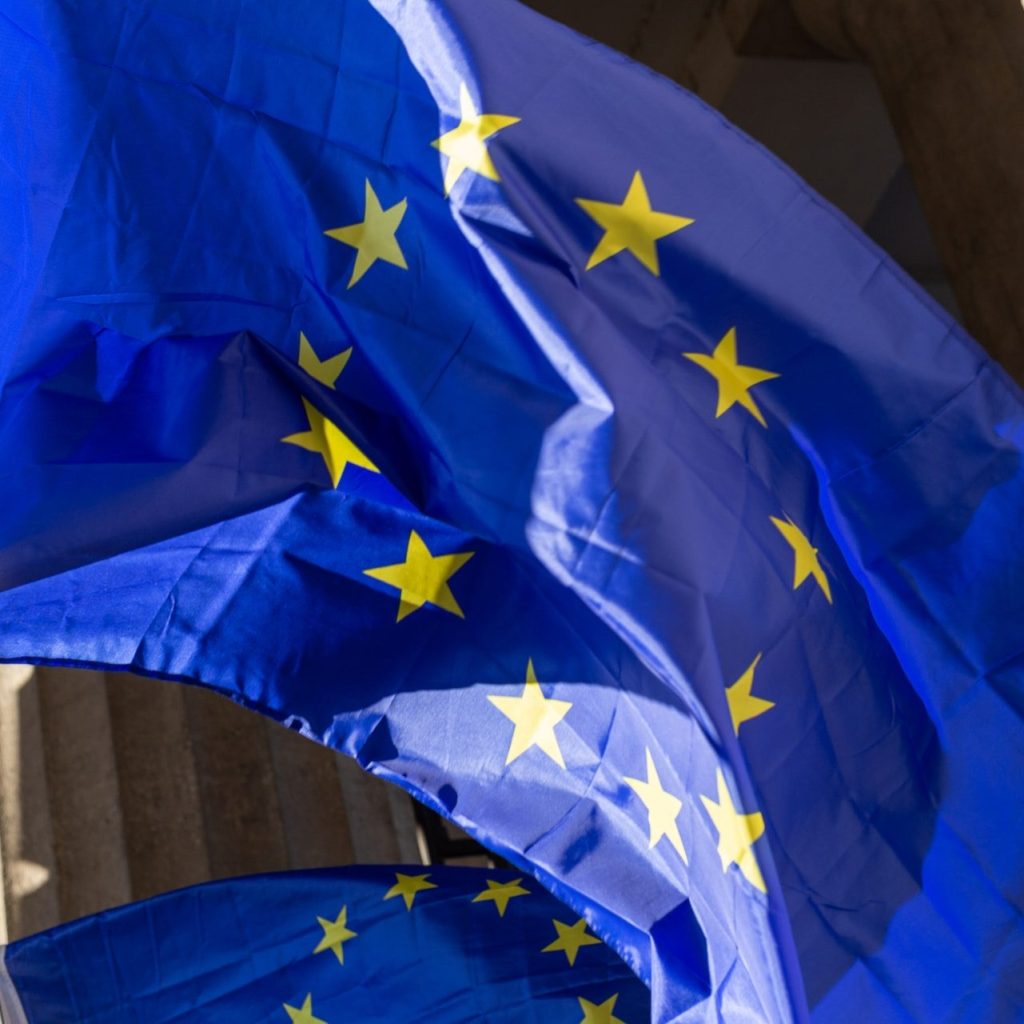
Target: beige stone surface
316,835
91,860
160,807
952,74
26,834
115,788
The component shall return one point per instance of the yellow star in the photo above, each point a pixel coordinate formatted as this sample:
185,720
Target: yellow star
422,578
407,886
662,808
373,237
336,934
501,893
327,371
304,1015
805,557
327,440
466,144
535,718
594,1014
570,938
737,834
734,379
632,225
743,705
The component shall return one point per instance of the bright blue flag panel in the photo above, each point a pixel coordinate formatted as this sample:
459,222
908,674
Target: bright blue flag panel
482,405
446,945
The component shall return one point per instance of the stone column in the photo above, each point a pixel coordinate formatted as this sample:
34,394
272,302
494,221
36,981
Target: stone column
115,788
952,75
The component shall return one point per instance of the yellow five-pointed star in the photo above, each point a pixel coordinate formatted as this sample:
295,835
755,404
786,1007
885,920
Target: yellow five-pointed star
734,379
570,938
662,808
336,934
304,1014
805,557
327,371
535,717
373,237
422,578
743,705
632,225
466,144
407,886
737,834
501,893
599,1014
328,441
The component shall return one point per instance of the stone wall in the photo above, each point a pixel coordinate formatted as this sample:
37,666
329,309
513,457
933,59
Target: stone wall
114,788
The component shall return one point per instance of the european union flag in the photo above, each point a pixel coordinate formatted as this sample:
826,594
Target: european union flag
458,945
482,405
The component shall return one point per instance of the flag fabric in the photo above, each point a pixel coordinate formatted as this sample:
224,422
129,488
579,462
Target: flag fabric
324,947
482,405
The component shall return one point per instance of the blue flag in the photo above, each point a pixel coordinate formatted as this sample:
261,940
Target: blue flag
452,945
484,406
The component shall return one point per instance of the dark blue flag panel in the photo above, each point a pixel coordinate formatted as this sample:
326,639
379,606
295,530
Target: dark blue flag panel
446,945
484,406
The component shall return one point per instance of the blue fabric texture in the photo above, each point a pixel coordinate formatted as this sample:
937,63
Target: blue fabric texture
482,405
452,945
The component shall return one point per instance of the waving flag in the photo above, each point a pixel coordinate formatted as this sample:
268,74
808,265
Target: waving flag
484,406
324,947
